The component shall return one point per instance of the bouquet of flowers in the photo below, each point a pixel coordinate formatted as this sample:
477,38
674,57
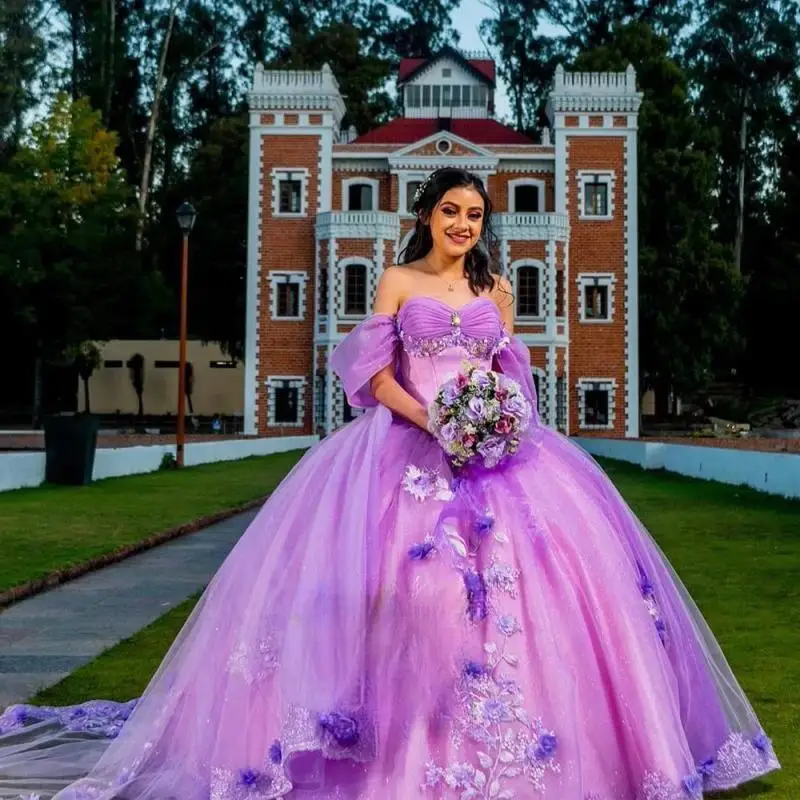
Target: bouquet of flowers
479,415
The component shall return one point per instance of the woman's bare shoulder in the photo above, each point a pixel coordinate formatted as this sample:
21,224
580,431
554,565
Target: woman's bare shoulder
392,289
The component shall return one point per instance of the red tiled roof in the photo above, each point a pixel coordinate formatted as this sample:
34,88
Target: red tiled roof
484,66
403,131
409,66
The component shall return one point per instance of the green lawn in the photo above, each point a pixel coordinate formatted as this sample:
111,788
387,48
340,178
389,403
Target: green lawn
53,527
737,550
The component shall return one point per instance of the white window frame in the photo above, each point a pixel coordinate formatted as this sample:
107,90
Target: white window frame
587,384
541,396
405,179
341,275
540,266
278,277
606,279
340,403
512,200
298,382
605,176
373,182
284,173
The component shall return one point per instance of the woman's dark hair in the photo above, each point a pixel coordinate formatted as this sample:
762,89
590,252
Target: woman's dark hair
478,261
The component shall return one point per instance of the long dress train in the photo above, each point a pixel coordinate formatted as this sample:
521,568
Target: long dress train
387,628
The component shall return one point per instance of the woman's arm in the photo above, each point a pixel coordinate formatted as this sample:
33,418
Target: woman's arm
384,386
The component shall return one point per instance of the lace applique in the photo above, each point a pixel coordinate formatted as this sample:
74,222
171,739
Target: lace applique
101,717
248,784
492,704
493,716
658,787
482,347
419,552
337,735
254,663
737,760
501,576
85,791
649,594
424,483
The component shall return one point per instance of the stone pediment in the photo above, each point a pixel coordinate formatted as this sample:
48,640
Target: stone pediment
444,143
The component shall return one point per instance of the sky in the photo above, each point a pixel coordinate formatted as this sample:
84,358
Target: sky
466,19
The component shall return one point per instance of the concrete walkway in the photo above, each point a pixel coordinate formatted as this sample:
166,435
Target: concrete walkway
46,637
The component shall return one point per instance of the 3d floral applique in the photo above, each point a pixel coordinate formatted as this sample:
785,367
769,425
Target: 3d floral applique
512,747
648,591
423,484
421,551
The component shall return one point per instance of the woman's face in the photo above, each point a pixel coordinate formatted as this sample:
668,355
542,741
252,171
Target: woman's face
457,221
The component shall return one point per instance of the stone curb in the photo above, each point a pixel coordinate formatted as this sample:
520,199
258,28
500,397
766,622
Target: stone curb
56,578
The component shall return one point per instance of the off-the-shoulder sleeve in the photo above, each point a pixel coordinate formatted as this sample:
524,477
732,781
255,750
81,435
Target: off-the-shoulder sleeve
364,352
514,360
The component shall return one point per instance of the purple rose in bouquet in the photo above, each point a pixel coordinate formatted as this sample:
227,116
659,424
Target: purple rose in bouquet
479,416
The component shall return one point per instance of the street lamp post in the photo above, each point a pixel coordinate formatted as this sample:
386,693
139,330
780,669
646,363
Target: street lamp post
186,217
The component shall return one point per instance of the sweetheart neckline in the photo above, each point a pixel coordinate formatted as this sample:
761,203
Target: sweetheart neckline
451,309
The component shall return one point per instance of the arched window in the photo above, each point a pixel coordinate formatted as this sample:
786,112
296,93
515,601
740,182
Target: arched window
360,194
525,196
528,290
355,290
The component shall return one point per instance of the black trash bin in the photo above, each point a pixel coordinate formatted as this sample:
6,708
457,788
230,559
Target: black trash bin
70,442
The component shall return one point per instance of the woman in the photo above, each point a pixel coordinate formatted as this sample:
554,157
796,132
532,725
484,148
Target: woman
420,631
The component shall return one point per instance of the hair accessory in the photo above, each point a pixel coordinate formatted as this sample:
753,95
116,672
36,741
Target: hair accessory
424,185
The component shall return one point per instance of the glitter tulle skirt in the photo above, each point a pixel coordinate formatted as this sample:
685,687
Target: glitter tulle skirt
387,629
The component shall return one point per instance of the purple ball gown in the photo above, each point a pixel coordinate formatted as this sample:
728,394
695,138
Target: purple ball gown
386,629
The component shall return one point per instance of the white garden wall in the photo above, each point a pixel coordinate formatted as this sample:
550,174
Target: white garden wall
21,470
775,473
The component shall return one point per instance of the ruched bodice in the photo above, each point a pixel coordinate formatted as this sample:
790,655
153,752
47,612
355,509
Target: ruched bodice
425,342
437,338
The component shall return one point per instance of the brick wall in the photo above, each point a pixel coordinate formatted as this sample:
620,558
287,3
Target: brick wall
285,348
597,350
385,199
498,188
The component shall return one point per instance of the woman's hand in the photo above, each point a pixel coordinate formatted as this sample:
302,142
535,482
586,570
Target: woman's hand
421,418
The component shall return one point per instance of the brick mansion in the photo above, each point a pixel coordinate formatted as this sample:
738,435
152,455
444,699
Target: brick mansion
329,210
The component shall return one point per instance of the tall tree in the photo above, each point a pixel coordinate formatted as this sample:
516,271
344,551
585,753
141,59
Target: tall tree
152,124
22,54
689,292
362,77
774,280
744,54
217,184
526,57
594,23
64,229
521,33
419,28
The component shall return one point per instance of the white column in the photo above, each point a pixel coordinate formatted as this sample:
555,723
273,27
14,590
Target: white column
631,288
253,307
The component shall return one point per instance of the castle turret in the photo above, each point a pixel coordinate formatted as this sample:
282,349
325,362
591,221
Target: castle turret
294,119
